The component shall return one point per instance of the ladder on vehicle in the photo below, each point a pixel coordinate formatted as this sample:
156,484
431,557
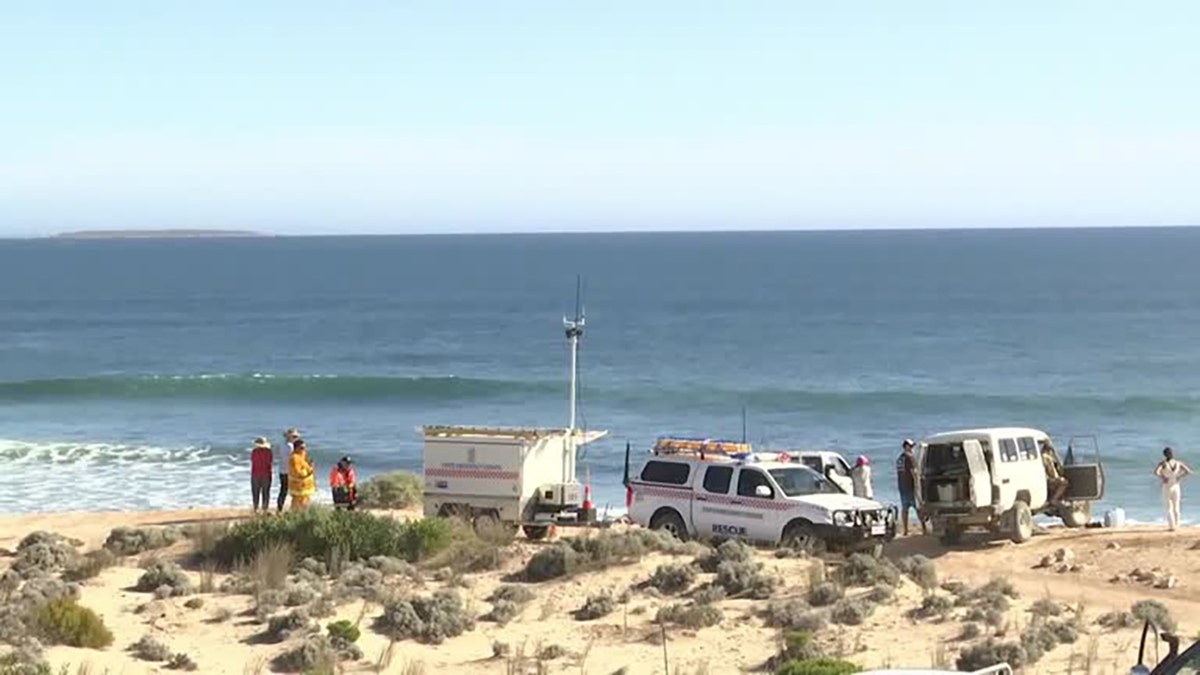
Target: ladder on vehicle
701,447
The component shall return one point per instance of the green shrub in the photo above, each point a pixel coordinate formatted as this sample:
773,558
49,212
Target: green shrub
672,578
920,569
580,554
850,612
1153,611
316,654
15,663
729,551
343,630
90,565
393,490
794,614
823,595
165,579
864,570
552,562
991,652
817,667
744,579
127,541
44,553
935,606
315,532
595,607
426,619
706,595
284,626
1115,620
690,616
66,622
149,648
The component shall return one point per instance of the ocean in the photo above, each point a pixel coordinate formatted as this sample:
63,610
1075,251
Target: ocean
134,374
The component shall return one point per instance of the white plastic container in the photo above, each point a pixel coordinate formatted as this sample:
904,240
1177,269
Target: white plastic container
1114,517
945,493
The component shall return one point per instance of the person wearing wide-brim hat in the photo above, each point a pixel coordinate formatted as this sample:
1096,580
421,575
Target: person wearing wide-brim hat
261,469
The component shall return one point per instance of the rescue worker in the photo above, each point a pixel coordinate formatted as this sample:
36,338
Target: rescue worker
1170,471
284,457
261,461
343,485
861,475
1056,483
906,481
301,481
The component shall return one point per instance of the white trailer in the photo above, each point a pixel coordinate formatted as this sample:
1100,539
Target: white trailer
513,476
508,475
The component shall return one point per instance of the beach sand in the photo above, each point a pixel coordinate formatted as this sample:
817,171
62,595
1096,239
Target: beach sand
630,640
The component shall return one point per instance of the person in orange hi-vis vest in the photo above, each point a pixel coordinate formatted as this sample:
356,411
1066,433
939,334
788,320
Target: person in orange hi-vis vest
301,482
343,484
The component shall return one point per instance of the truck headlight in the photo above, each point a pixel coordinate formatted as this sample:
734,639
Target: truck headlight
842,519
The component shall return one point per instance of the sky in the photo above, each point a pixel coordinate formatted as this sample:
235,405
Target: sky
305,117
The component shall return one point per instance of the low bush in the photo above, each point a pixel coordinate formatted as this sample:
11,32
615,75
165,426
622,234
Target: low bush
194,603
881,594
596,606
283,626
706,595
551,652
1046,608
744,579
850,612
314,654
794,614
127,541
475,549
160,575
920,569
580,554
970,631
1116,620
552,562
42,553
393,490
20,663
1153,611
989,653
864,570
933,607
150,648
987,615
825,594
817,667
502,612
425,619
343,630
314,532
89,565
66,622
181,661
672,578
731,550
360,582
690,615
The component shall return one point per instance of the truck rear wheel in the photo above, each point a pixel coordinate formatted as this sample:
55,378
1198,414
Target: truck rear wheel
1077,514
1021,521
669,521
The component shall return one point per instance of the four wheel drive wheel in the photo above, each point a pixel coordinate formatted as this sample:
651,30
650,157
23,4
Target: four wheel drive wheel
671,522
952,533
535,532
1076,514
1020,520
803,538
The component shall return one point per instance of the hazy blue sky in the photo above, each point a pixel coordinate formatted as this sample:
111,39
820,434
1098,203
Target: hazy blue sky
358,116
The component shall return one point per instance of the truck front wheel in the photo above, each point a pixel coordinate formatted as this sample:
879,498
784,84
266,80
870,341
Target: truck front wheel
671,522
803,538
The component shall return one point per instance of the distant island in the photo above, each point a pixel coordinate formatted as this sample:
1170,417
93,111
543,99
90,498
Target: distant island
156,234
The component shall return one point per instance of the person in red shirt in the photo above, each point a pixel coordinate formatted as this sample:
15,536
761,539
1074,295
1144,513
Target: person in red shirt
261,471
343,485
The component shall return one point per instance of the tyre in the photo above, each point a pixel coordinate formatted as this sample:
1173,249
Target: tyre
1077,514
803,537
952,533
536,532
1021,519
669,521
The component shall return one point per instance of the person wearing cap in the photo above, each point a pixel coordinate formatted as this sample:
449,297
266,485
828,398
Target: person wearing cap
261,461
906,480
1170,471
285,453
343,485
861,475
301,480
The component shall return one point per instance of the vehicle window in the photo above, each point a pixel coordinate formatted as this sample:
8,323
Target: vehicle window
1187,663
945,460
717,479
1029,449
813,463
1008,450
749,479
800,481
672,473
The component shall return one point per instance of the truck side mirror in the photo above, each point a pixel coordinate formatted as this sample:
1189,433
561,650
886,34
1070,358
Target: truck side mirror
762,491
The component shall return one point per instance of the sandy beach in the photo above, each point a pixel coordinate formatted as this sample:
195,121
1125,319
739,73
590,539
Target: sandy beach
1092,581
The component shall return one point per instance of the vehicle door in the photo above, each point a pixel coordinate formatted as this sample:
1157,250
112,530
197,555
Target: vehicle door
712,511
838,473
980,482
753,505
1009,473
1083,469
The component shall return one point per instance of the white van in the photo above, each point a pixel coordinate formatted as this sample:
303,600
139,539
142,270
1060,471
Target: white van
720,489
995,478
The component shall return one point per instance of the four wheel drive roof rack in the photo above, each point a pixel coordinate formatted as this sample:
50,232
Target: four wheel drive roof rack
498,432
701,447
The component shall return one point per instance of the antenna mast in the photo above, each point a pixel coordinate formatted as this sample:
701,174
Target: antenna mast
574,330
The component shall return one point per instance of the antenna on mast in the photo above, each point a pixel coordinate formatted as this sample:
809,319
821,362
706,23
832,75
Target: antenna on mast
743,424
574,331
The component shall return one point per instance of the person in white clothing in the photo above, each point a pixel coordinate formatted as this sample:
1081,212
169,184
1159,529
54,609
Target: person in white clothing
285,451
1170,471
861,475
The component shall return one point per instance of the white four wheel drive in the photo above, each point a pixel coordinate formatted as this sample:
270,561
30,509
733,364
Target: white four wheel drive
707,489
996,478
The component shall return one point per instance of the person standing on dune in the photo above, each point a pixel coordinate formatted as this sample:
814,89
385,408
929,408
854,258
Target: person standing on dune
285,454
301,481
260,474
861,475
1170,471
906,480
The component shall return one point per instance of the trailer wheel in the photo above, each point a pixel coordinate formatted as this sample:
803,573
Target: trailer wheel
535,532
670,521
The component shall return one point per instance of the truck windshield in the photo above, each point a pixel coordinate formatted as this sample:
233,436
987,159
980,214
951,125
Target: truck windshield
799,481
